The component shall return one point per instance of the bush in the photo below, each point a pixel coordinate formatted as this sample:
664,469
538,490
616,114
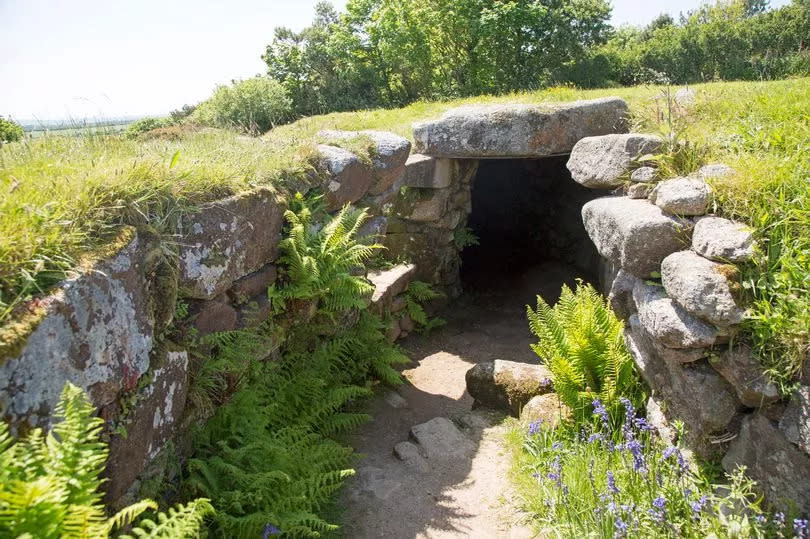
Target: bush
145,125
582,343
10,131
254,106
582,483
50,485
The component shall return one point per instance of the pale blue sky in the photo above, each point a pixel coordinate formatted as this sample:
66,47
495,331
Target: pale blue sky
102,59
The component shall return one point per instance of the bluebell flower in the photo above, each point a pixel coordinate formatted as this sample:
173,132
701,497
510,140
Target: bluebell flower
761,519
620,527
601,411
673,451
534,427
556,446
800,527
594,437
269,530
779,518
698,506
611,507
687,493
639,461
660,502
612,483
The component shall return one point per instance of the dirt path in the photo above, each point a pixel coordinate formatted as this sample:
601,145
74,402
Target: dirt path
455,492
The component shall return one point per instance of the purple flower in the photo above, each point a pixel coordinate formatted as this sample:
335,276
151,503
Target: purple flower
612,483
660,502
556,446
601,411
556,472
673,451
594,437
761,519
269,530
800,528
780,520
534,427
620,527
639,461
698,505
611,507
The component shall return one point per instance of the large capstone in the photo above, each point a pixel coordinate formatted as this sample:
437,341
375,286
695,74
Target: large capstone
702,287
604,162
518,130
634,234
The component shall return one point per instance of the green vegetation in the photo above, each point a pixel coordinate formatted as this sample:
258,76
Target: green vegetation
416,296
393,52
589,480
266,458
253,106
50,485
581,342
10,131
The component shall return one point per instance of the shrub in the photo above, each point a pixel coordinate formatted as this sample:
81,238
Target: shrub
145,125
50,485
582,343
581,483
10,131
254,106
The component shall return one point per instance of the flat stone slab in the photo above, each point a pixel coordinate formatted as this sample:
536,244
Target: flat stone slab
634,234
702,287
389,283
439,438
722,240
603,162
427,172
518,130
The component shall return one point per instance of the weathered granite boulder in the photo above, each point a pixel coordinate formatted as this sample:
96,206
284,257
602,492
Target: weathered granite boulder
620,294
714,170
254,284
639,190
440,439
741,369
795,422
152,423
388,284
409,454
634,234
212,317
702,287
229,239
603,162
546,408
778,467
388,155
427,172
348,177
722,240
693,393
423,205
644,175
682,196
96,332
432,250
517,130
668,323
507,385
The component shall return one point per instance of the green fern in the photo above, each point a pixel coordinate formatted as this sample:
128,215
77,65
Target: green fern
418,293
581,341
50,485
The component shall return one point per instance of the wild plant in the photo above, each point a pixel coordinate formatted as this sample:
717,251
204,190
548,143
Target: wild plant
50,485
417,294
581,341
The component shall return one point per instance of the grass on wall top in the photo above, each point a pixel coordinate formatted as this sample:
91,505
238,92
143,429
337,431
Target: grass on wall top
64,196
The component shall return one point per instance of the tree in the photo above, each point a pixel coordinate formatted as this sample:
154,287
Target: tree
10,131
253,105
755,7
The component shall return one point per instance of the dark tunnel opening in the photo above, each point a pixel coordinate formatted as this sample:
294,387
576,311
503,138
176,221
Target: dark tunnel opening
526,214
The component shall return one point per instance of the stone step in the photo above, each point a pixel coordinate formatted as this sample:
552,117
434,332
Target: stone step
388,284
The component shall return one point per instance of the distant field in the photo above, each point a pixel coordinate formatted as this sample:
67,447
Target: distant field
78,130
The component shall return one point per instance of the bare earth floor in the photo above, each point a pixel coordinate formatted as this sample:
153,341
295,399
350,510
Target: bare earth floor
448,495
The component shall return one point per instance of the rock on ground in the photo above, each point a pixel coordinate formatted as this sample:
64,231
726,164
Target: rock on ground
795,422
507,385
741,369
722,240
702,287
667,322
634,234
517,130
682,196
762,448
547,409
440,439
603,162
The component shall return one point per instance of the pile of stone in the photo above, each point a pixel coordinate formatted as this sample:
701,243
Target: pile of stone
672,275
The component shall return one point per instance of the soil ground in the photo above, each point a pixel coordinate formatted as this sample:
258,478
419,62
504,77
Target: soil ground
456,497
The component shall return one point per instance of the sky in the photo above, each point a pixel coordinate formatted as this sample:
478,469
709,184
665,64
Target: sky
102,59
